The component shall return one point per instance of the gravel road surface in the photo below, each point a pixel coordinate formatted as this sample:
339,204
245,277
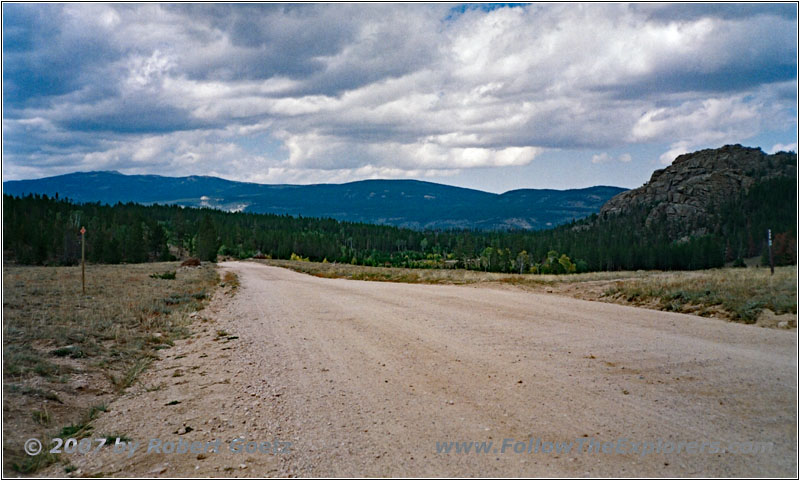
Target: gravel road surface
371,376
374,379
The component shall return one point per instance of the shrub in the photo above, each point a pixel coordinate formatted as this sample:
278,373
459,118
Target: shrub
71,351
166,275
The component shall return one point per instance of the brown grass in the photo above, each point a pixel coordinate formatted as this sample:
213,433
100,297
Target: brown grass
390,274
230,279
741,294
63,352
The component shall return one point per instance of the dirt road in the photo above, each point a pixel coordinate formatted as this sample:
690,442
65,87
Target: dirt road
365,378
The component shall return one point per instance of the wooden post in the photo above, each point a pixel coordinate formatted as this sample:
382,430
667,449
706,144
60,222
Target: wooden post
83,260
771,259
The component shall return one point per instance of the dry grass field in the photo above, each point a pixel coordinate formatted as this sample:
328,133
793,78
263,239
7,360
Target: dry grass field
66,356
747,295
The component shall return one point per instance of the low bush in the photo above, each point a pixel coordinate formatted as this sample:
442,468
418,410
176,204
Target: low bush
191,262
166,275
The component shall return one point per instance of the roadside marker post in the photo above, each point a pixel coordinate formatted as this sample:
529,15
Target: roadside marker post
771,259
83,260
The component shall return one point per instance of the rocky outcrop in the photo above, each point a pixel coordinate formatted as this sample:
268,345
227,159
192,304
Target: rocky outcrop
686,193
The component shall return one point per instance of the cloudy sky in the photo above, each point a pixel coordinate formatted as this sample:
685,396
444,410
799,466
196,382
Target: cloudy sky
491,97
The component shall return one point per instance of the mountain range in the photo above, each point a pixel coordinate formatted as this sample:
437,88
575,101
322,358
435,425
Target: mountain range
403,203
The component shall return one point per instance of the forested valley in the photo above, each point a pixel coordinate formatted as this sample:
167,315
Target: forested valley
44,230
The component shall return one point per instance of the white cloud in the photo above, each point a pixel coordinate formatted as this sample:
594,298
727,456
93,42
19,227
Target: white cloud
790,147
604,158
674,151
700,120
146,71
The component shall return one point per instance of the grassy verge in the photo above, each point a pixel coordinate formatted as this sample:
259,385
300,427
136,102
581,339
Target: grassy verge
63,351
387,274
737,294
742,294
445,276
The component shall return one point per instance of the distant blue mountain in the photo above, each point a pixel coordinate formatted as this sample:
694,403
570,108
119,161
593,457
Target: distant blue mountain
404,203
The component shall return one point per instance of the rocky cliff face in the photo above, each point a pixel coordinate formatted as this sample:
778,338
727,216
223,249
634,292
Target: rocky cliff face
686,193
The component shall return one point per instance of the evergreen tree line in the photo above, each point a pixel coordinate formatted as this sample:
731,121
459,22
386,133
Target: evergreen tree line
42,230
